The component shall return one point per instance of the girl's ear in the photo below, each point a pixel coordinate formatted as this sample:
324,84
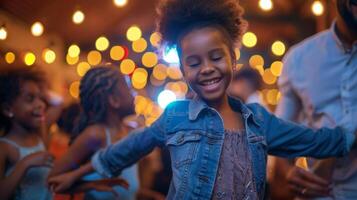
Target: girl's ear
114,101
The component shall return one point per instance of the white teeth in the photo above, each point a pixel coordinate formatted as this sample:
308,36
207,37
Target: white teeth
210,82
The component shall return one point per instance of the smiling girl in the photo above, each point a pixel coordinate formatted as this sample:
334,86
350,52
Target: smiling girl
218,145
24,161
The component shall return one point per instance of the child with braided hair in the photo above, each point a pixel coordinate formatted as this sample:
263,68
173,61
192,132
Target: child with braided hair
218,145
105,100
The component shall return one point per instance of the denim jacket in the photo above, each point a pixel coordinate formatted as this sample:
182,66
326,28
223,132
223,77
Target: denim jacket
194,133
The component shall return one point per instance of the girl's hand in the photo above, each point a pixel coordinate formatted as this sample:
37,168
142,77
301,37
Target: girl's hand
62,182
42,158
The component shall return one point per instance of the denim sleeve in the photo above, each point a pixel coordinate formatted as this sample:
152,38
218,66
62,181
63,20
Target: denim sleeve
288,139
110,161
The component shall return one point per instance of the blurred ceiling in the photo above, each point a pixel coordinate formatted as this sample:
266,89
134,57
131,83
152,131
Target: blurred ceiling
286,20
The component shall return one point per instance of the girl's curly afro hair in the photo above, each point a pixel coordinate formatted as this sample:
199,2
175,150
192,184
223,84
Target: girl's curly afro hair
176,17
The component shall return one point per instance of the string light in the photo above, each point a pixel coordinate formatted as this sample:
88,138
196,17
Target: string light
94,58
276,68
37,29
133,33
82,68
256,60
29,58
127,66
149,59
249,39
117,52
139,45
317,8
278,48
266,5
74,50
48,55
102,43
10,57
78,17
120,3
74,89
139,78
71,60
155,39
3,33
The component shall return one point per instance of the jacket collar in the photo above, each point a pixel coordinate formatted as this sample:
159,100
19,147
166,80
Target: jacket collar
196,106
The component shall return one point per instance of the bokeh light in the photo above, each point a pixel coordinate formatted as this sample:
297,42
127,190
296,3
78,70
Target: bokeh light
278,48
249,39
37,29
266,5
102,43
74,89
120,3
133,33
256,60
3,33
139,45
174,72
276,68
48,55
272,96
155,39
317,8
159,72
78,17
82,68
139,78
10,57
117,52
94,57
165,97
127,66
29,58
149,59
268,77
74,50
71,60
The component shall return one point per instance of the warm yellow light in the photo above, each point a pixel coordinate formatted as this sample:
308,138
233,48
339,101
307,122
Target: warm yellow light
278,48
74,50
78,17
266,5
156,82
71,60
155,39
127,66
139,45
94,57
174,73
133,33
48,55
149,59
120,3
10,57
117,53
159,72
3,33
317,8
272,97
140,104
29,58
249,39
102,43
237,53
37,29
82,68
74,89
139,78
269,77
256,60
276,68
260,69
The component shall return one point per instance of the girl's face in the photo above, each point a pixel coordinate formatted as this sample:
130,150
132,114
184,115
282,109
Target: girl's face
207,63
28,109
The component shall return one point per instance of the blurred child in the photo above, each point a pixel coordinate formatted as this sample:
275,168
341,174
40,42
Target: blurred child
105,101
24,161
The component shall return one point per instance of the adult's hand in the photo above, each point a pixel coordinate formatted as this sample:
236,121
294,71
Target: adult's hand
305,184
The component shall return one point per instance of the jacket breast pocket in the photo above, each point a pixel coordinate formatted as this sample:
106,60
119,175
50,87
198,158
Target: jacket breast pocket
183,147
